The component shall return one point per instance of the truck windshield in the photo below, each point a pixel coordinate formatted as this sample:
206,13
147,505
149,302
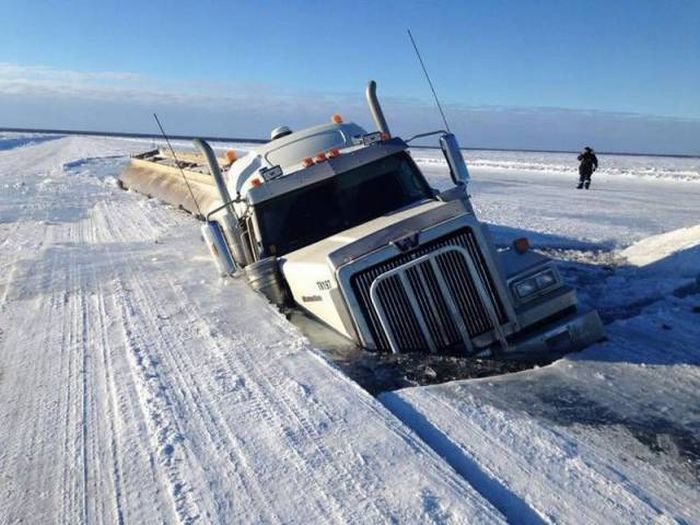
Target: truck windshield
309,214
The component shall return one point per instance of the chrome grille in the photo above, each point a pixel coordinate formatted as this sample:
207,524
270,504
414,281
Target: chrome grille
432,303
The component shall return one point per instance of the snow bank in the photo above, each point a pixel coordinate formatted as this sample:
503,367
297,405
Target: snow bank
678,250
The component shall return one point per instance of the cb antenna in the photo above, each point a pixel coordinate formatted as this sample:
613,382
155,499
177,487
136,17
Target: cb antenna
177,162
430,83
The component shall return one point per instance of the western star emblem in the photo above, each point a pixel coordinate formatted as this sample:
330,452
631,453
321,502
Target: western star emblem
406,243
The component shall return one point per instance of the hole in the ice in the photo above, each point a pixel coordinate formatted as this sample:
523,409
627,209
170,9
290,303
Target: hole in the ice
381,372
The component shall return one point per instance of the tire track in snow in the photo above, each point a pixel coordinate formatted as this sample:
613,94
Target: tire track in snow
83,326
65,302
141,296
148,345
188,389
155,396
261,396
277,385
144,376
130,456
366,505
65,288
218,433
152,393
56,309
111,402
81,342
263,411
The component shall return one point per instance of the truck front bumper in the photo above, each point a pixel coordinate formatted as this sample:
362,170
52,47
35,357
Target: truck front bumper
569,334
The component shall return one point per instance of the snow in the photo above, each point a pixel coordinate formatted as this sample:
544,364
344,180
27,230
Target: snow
543,204
671,245
138,387
612,166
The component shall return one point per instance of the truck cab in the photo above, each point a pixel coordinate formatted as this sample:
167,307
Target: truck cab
342,224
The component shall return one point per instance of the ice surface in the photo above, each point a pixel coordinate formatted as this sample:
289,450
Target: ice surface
545,205
616,166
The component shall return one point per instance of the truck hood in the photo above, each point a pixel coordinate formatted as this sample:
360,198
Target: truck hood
365,238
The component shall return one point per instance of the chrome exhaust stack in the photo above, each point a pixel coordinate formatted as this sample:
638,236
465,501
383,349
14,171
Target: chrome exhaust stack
375,109
228,221
213,164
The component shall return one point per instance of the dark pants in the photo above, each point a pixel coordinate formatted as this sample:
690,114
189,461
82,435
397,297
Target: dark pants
585,177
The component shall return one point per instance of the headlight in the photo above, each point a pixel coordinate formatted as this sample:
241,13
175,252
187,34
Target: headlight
545,279
525,288
535,283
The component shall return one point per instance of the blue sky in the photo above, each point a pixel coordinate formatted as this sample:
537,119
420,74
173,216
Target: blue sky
620,75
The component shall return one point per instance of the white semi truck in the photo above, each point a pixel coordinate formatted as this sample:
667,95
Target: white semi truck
342,224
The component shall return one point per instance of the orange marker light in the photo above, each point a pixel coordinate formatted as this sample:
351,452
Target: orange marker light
333,152
321,157
308,161
337,119
385,136
521,245
255,183
231,156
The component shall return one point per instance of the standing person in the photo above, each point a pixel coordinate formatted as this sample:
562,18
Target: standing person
589,163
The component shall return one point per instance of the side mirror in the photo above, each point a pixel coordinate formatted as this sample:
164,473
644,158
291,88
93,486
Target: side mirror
453,156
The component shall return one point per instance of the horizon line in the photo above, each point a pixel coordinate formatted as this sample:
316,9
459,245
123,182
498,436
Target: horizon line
125,134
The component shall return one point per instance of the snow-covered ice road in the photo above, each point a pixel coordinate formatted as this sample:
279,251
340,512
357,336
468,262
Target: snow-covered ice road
137,387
